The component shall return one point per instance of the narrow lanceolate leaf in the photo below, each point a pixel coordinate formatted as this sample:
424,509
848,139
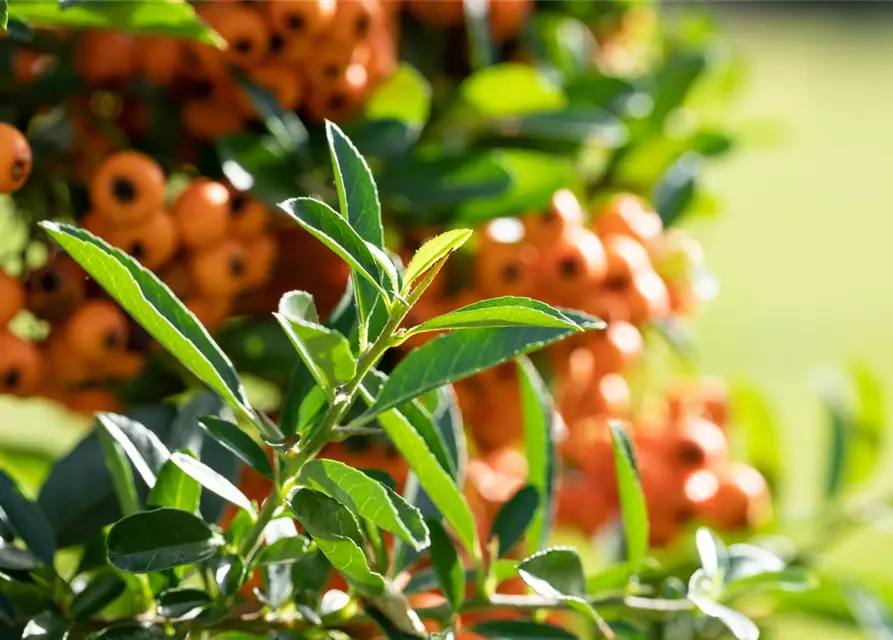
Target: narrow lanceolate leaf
153,305
514,517
461,354
357,193
538,413
520,630
174,488
366,498
632,498
713,554
433,251
98,594
160,539
507,311
146,451
450,575
327,226
181,602
212,481
27,520
700,592
120,472
337,534
326,352
436,481
239,443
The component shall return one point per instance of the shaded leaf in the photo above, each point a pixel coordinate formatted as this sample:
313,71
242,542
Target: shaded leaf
181,602
15,559
520,629
514,517
146,451
632,498
174,488
46,626
27,520
212,480
676,189
447,568
554,572
229,574
284,550
97,595
120,473
239,443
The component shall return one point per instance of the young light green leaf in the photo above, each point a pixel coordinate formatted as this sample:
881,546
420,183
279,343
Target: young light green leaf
787,579
27,520
97,595
520,630
746,560
405,96
160,539
146,451
299,305
174,488
436,481
239,443
433,251
514,517
326,353
507,311
632,499
325,224
212,480
461,354
701,591
120,472
153,305
156,17
181,602
538,413
367,498
337,534
447,567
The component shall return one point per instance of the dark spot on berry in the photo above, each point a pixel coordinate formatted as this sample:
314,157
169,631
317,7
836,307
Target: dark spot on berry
111,340
12,379
337,101
331,71
243,45
199,89
277,43
617,283
138,250
49,282
294,21
236,266
690,454
19,169
237,204
568,267
123,190
362,25
510,273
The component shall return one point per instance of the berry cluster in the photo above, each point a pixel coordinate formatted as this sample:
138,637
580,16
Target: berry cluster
506,17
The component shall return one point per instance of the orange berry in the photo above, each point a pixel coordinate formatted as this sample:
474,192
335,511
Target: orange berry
331,60
28,66
572,267
12,298
211,312
564,213
445,13
55,290
64,366
124,365
617,347
505,269
280,80
93,400
625,258
695,443
15,159
354,20
341,99
244,30
153,241
249,218
96,329
209,119
717,500
201,213
648,298
507,17
158,58
582,504
127,188
202,62
21,366
626,214
104,57
299,18
178,277
221,271
261,254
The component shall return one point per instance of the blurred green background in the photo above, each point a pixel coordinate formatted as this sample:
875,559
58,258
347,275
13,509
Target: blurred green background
802,248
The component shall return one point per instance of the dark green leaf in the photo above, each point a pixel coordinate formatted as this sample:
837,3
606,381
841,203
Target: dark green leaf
577,124
160,539
260,165
229,574
555,572
325,352
120,473
632,499
239,443
677,187
514,517
286,127
433,251
174,488
46,626
153,305
186,433
366,498
461,354
494,313
97,595
404,97
146,451
325,224
447,567
212,480
673,81
538,414
284,551
181,602
520,629
357,193
477,26
337,534
129,631
4,14
311,572
15,559
391,632
156,17
27,520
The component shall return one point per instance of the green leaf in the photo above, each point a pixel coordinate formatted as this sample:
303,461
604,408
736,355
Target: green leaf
129,631
538,413
405,96
496,313
15,559
181,602
871,437
555,572
673,81
325,352
285,127
284,550
787,579
700,592
632,499
153,305
229,574
27,520
157,17
160,539
580,124
357,193
436,481
747,560
510,89
713,554
477,26
239,443
174,488
212,480
337,534
514,517
325,224
97,595
433,251
520,630
146,451
120,472
46,626
259,164
461,354
677,188
4,14
758,427
367,498
445,560
391,631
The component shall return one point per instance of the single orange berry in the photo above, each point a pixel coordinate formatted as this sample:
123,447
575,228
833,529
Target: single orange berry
21,366
221,271
12,298
96,329
201,214
153,241
15,159
127,188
